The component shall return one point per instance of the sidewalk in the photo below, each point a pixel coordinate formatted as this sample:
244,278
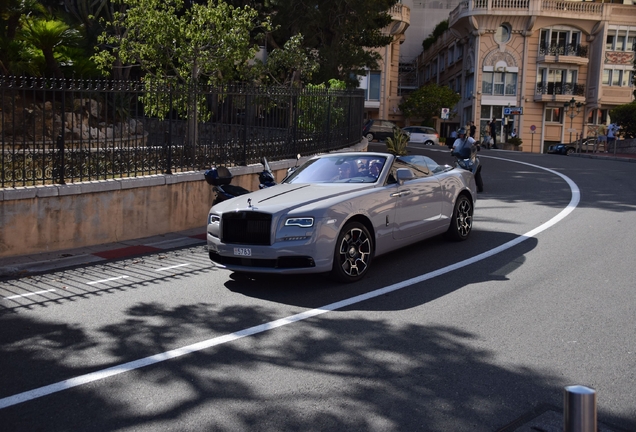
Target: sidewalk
624,157
47,261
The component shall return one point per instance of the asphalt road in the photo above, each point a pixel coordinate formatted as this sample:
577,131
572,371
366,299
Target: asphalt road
439,337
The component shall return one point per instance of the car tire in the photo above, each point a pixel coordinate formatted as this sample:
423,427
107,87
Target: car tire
353,253
429,142
479,181
369,136
462,220
569,151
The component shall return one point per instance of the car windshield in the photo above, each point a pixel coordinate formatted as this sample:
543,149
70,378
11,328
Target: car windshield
339,169
424,163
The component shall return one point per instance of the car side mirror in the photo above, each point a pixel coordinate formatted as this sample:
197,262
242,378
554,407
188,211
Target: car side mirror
404,174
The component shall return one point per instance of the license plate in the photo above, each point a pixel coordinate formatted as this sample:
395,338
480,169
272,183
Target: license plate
243,251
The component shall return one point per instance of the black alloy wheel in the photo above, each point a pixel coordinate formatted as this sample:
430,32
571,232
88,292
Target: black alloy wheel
353,253
462,220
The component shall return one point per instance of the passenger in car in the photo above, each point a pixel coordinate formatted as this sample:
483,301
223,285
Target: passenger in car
374,168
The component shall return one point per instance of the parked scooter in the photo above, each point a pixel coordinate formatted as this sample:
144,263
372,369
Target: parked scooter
467,159
221,177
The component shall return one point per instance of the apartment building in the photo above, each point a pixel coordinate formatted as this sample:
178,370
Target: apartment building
381,86
551,69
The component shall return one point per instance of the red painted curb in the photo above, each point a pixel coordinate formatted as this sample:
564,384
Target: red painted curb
127,251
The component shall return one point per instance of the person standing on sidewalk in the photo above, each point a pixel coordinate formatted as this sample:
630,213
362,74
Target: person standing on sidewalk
602,138
612,129
493,133
453,137
473,129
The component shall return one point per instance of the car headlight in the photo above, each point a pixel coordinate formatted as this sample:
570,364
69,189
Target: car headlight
303,222
213,218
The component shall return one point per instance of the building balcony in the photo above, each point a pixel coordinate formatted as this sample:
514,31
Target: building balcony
401,16
563,53
559,92
545,8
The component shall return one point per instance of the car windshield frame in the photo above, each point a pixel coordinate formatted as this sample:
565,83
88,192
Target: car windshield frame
333,169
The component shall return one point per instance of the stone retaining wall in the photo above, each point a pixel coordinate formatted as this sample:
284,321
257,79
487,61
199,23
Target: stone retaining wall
58,217
51,218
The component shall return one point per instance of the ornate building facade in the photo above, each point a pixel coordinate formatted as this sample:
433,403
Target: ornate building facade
551,69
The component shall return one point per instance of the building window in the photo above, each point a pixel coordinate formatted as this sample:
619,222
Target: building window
502,35
499,83
606,76
469,86
618,77
597,116
557,81
559,42
553,115
620,40
373,88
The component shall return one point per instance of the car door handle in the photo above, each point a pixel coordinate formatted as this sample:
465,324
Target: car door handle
400,194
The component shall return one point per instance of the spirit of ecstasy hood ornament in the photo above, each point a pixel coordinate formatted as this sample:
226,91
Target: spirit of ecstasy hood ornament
249,202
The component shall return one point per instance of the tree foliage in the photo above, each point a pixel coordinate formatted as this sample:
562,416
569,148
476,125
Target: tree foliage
427,101
288,66
171,42
438,31
625,117
338,32
50,36
315,114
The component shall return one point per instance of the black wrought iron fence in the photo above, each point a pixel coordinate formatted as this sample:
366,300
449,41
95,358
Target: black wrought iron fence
553,49
65,131
560,89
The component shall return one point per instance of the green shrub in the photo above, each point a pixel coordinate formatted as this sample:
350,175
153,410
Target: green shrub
625,117
397,144
515,141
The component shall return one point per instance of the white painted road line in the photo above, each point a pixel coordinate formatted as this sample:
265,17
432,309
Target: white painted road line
161,357
106,280
29,294
172,267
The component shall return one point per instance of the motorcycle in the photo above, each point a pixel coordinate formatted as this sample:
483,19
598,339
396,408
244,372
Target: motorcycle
467,159
221,177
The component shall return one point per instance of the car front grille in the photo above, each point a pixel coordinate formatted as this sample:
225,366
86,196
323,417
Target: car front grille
247,227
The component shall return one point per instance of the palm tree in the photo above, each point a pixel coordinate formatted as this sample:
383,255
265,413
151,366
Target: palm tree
47,35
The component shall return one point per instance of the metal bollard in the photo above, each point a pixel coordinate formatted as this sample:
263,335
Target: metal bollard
579,409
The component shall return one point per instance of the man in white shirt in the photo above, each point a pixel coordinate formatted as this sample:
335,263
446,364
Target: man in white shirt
462,145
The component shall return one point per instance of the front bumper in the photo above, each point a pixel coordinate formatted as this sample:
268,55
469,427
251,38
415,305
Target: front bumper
313,254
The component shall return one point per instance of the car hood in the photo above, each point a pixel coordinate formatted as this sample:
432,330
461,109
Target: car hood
289,196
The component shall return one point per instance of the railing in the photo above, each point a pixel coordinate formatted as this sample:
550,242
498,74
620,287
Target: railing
563,49
531,6
572,7
400,12
65,131
560,89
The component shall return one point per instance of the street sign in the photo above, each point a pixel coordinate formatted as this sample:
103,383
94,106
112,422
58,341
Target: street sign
533,128
508,111
445,112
